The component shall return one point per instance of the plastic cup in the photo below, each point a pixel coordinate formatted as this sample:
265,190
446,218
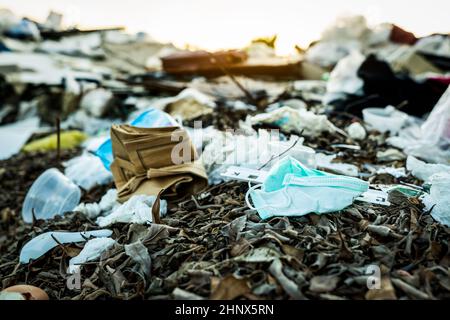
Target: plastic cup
50,195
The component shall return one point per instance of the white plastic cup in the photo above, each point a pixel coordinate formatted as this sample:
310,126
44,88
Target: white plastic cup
50,195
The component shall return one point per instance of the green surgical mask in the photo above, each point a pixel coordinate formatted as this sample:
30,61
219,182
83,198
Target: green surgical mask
292,189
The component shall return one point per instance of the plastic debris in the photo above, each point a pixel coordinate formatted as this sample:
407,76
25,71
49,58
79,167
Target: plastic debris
297,121
387,119
139,253
430,141
138,209
395,172
423,170
390,155
50,195
106,205
188,104
96,102
69,140
43,243
87,171
326,162
92,250
15,135
438,201
109,83
356,131
344,79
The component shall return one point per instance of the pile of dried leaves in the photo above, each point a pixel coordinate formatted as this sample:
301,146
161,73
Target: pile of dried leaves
213,246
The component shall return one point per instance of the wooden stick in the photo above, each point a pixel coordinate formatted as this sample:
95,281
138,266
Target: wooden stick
58,138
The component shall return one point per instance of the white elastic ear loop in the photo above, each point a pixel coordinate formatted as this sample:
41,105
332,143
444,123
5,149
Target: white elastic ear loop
247,195
251,188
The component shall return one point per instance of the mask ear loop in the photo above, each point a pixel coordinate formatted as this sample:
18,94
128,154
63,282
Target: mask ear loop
247,195
251,188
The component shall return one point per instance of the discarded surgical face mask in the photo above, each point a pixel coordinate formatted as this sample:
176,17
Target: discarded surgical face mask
292,189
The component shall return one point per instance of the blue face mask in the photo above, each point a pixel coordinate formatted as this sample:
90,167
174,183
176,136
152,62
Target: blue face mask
292,189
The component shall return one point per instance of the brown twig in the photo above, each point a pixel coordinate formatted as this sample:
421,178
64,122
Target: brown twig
200,207
226,72
281,154
33,215
58,138
60,244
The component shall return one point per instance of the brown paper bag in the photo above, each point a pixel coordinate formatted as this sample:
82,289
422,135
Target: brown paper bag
151,160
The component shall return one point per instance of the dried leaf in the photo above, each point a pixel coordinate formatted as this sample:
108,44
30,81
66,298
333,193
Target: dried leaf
322,284
229,288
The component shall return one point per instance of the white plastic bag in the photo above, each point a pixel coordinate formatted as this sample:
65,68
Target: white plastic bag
431,141
439,197
87,171
138,209
344,77
423,170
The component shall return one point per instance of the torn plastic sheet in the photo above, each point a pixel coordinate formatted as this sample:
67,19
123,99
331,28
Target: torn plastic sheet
139,253
92,250
344,78
15,135
431,140
299,121
385,119
38,68
395,172
423,170
438,201
43,243
138,209
328,53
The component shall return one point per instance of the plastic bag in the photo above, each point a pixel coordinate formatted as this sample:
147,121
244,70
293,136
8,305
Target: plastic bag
438,201
138,209
87,171
344,77
423,170
431,141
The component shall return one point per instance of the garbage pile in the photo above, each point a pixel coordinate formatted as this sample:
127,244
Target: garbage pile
132,169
